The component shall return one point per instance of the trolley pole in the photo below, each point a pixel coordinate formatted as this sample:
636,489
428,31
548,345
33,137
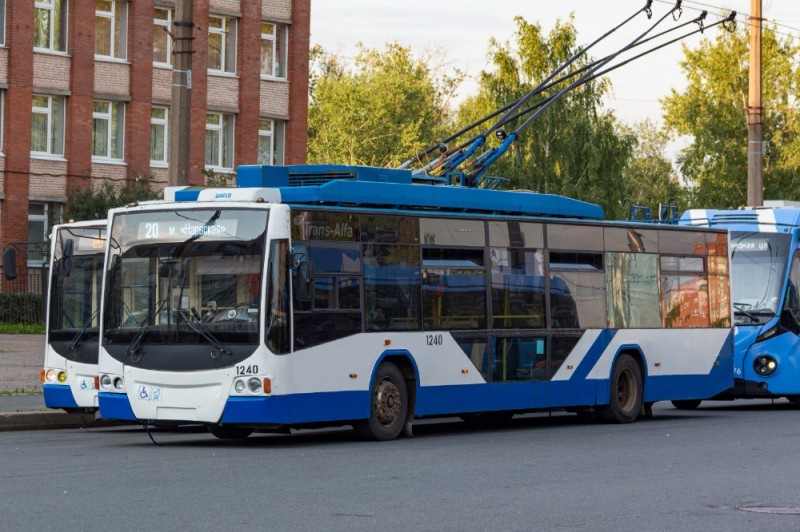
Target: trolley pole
181,109
755,187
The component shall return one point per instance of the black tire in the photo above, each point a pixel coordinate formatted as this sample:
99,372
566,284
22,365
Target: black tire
625,399
229,433
794,400
388,405
687,404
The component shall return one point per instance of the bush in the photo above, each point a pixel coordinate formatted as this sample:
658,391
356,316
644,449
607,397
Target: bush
21,307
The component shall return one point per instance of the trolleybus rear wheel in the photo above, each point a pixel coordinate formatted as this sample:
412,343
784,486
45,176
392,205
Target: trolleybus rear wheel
229,433
388,405
687,404
625,401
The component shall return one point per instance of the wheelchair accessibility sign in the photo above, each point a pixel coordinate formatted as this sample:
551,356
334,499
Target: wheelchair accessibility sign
148,393
87,384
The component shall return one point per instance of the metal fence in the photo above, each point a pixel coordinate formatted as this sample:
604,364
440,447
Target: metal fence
24,299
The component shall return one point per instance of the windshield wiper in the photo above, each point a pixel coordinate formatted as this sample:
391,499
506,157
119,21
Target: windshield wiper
206,333
142,332
740,307
76,341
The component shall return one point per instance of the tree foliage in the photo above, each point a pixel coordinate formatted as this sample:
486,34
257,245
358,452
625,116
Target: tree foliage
574,148
93,203
712,112
649,178
380,111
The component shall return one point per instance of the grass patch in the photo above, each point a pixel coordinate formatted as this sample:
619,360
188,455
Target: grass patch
21,328
18,391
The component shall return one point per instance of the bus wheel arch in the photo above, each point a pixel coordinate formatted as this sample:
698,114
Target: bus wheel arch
626,389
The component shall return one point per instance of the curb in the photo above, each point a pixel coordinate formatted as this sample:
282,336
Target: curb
51,420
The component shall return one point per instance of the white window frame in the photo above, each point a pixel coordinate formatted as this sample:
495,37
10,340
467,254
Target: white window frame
45,218
165,26
224,130
3,12
55,119
118,50
50,5
162,123
275,135
226,32
279,49
118,107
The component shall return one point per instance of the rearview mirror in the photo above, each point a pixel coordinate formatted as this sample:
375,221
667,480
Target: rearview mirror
10,263
305,281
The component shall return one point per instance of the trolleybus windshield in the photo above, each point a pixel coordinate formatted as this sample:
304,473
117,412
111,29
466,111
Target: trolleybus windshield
184,277
759,260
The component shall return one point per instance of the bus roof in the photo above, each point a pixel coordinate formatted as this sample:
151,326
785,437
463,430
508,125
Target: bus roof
389,188
762,219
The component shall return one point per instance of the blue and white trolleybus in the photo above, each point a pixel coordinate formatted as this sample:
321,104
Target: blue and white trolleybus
332,295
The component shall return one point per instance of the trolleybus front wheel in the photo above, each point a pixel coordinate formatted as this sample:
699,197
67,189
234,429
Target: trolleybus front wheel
625,401
388,405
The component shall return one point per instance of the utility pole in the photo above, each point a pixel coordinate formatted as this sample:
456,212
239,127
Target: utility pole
755,188
181,109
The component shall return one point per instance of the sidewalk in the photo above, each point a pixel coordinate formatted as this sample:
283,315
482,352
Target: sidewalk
21,401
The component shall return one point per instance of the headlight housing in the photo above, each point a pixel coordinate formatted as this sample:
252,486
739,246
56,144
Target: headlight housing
765,365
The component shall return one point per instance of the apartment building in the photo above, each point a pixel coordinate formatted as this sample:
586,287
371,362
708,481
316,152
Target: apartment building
85,93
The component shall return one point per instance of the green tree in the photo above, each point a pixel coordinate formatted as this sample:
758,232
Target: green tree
649,179
574,148
712,112
383,109
93,203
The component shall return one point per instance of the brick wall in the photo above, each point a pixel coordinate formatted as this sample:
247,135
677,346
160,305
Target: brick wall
225,6
249,71
3,65
162,84
277,9
48,179
222,93
112,78
50,71
197,151
274,98
297,127
137,119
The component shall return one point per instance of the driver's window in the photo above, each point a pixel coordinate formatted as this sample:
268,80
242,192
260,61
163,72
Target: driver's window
792,301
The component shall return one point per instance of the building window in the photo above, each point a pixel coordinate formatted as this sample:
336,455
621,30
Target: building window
219,141
2,22
270,141
2,109
108,126
111,28
50,25
159,135
47,131
273,50
41,217
162,40
222,44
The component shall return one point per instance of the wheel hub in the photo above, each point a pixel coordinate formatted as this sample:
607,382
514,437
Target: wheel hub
387,402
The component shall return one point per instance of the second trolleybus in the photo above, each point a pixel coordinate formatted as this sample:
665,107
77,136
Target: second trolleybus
336,295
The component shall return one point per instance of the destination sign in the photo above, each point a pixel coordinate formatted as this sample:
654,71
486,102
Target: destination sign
184,229
750,245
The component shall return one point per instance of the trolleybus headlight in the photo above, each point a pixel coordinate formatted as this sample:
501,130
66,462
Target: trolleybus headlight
239,385
254,384
105,382
62,377
119,383
50,376
765,365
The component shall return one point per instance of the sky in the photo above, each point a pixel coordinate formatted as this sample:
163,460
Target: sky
463,28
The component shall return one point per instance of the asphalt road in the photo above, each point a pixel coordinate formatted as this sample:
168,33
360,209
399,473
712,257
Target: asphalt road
726,466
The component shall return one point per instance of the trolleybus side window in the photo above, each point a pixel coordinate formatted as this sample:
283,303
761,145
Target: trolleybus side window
517,270
277,330
453,275
719,291
632,289
792,303
684,291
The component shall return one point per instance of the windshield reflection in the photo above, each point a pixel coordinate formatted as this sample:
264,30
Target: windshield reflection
191,276
759,266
